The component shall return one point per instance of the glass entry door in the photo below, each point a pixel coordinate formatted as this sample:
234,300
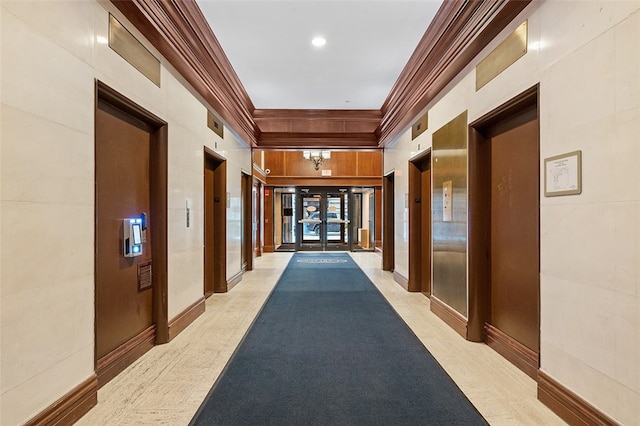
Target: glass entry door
323,219
337,221
310,221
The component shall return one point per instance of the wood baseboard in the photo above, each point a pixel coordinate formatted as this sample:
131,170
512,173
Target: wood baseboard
447,314
68,409
234,280
113,363
569,406
186,317
268,249
515,352
403,281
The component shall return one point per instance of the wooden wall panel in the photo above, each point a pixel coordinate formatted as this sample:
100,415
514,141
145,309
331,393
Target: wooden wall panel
275,162
325,181
369,163
352,126
296,165
317,126
275,126
341,164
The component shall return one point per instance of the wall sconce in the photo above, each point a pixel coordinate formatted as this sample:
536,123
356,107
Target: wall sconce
317,157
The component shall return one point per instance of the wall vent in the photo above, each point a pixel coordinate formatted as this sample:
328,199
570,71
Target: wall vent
145,276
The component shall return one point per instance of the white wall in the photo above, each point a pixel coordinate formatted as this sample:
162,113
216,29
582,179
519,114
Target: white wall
586,57
396,157
50,60
590,256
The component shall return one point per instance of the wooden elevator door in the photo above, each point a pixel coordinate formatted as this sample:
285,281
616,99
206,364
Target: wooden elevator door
515,242
209,232
215,186
122,191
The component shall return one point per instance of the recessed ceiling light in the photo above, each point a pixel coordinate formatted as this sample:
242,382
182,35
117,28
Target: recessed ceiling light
319,41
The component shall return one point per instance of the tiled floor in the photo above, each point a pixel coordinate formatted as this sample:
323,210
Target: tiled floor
167,385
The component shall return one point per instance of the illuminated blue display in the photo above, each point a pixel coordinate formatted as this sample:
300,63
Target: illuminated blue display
136,249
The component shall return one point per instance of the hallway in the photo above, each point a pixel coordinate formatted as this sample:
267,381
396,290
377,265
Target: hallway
168,384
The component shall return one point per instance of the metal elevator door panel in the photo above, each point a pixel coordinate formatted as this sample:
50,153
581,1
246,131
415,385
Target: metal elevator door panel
425,230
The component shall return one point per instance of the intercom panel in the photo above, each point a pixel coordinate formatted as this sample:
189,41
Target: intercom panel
133,236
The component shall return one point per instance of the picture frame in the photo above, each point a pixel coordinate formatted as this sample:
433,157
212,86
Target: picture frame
563,174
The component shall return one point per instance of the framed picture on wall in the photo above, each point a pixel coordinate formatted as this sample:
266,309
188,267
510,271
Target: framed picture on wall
563,174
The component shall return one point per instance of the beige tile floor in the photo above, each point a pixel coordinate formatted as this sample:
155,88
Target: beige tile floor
167,385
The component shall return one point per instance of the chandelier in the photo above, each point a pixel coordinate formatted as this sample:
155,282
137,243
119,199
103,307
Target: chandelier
317,157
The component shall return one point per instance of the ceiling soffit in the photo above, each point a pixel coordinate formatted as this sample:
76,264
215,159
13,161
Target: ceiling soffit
459,31
281,128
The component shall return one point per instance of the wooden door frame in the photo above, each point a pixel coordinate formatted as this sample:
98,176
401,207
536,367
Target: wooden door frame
258,215
415,221
480,209
247,221
267,219
158,184
377,239
388,219
220,224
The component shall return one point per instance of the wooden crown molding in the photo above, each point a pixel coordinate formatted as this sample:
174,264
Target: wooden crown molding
182,35
458,32
371,115
290,128
300,140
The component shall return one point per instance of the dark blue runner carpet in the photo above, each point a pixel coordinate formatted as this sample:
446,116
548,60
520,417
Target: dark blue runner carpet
327,349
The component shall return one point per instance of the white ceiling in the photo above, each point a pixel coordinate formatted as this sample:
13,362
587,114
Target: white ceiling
269,45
